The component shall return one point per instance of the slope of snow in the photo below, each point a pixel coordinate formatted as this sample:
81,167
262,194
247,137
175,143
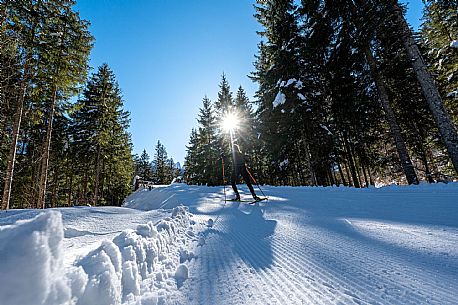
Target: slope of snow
393,245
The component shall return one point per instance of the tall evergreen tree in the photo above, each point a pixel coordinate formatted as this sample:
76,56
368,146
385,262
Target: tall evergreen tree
443,121
193,168
102,141
65,65
161,165
53,44
144,168
209,144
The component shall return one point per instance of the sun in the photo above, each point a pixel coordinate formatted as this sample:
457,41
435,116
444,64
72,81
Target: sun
230,122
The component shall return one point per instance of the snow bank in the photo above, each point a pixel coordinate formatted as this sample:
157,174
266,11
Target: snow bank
31,264
138,267
137,262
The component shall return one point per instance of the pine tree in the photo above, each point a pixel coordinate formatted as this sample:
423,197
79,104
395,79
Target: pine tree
161,166
101,140
144,169
445,125
225,102
53,45
209,144
25,29
65,65
193,167
439,34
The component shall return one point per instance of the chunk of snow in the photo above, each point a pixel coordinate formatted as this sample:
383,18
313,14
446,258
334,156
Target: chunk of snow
201,241
210,223
453,93
103,267
454,44
301,96
284,163
31,262
181,274
290,82
280,99
326,128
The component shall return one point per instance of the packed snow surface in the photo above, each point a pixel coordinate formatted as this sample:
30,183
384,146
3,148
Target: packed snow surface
183,244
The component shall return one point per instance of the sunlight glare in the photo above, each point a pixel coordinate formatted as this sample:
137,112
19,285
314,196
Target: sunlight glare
230,122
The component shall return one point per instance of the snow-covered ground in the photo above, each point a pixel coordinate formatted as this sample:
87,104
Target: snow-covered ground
182,244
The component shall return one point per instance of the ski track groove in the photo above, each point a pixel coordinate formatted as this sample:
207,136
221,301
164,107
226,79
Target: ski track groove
357,279
309,270
292,264
341,252
281,297
284,272
393,262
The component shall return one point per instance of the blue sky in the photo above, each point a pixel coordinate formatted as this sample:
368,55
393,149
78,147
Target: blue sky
168,54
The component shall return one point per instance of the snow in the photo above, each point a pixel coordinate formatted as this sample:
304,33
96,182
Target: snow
284,163
454,44
298,84
35,248
326,128
280,99
453,93
182,244
290,82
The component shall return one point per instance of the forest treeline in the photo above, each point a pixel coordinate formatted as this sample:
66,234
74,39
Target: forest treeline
64,136
348,94
160,170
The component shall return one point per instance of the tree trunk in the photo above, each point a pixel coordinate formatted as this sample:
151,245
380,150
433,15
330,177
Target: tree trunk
70,190
406,162
45,157
363,168
352,164
12,154
401,148
341,174
350,182
97,177
446,127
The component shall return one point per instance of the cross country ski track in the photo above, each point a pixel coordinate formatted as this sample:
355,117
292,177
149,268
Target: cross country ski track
284,252
305,245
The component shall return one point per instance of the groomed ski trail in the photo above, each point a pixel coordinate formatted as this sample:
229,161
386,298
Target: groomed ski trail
325,246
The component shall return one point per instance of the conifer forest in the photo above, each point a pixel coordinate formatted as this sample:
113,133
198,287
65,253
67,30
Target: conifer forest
64,136
348,94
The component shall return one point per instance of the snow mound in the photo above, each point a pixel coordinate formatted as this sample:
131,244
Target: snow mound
210,223
141,266
137,262
31,264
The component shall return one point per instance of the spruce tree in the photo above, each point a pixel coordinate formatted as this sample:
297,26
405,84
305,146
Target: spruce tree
64,66
161,165
144,169
101,140
193,163
443,121
209,144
